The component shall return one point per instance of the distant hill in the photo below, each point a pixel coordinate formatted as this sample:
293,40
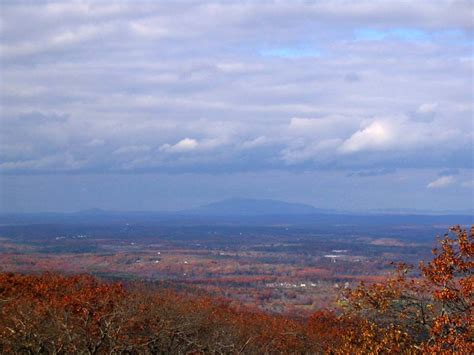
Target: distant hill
243,211
254,207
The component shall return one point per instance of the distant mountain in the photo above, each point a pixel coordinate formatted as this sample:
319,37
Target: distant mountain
244,211
254,207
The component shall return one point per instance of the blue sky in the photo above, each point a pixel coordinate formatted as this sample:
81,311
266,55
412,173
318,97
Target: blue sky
169,105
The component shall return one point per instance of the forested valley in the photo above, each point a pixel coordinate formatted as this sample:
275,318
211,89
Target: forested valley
420,309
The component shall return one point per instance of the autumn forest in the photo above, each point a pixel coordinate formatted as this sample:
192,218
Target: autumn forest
411,309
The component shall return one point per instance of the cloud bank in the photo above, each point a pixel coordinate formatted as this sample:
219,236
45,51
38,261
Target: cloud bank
249,86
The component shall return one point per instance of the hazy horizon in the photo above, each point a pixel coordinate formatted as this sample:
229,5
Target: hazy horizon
259,204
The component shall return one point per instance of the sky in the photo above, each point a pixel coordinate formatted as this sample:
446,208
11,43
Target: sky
167,105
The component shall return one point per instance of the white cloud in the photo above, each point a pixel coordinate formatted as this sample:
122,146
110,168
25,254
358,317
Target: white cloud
317,151
327,126
427,108
150,29
132,149
376,136
184,145
56,41
59,162
190,144
254,143
95,143
441,182
136,78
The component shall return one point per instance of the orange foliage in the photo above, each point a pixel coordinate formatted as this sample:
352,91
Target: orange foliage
432,312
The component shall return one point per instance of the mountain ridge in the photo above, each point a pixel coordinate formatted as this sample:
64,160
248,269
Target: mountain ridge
248,206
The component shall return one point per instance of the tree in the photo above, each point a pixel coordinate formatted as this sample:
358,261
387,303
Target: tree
432,310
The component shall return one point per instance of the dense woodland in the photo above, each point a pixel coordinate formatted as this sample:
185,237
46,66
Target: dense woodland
56,314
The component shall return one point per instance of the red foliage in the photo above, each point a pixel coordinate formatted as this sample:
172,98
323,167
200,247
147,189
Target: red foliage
434,310
51,313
